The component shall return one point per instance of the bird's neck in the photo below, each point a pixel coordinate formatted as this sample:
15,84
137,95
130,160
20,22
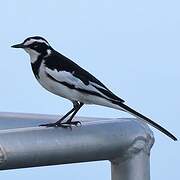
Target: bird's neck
36,60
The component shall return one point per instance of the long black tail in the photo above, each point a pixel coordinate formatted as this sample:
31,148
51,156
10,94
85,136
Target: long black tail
147,120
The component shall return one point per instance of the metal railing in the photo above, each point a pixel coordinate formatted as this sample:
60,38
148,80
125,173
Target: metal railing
126,143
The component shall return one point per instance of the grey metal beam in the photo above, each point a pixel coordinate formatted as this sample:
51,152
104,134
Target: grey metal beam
125,142
135,168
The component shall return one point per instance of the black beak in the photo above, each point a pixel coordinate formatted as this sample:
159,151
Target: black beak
19,46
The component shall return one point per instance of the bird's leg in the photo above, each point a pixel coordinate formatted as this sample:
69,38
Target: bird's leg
58,123
76,105
69,121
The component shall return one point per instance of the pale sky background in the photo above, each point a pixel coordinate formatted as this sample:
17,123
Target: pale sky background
131,46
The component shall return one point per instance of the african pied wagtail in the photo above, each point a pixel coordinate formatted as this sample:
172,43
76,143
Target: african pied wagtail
63,77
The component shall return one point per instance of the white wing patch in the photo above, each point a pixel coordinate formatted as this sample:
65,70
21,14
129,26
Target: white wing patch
97,85
64,76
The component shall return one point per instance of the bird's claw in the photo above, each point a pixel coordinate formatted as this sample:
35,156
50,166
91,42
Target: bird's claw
55,125
75,123
63,125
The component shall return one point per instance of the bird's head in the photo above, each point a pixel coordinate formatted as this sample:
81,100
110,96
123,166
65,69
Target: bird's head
35,46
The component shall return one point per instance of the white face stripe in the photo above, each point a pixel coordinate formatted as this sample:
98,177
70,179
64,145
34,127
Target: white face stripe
33,54
35,40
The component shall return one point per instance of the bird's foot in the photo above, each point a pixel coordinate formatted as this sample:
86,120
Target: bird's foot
56,125
75,123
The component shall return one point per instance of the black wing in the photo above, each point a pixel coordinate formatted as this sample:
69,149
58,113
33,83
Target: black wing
62,63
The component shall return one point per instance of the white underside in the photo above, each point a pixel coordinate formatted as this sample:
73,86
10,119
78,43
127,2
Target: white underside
71,94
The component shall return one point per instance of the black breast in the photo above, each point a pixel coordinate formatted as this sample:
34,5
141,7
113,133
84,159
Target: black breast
36,65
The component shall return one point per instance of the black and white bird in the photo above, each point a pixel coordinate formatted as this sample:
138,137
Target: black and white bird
61,76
